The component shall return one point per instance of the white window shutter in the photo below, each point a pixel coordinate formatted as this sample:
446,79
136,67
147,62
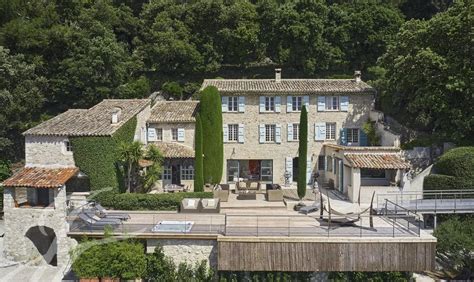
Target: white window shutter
309,169
261,104
321,103
151,134
225,102
289,167
225,131
181,134
277,104
290,132
306,102
261,131
241,104
289,104
241,133
320,131
278,133
344,103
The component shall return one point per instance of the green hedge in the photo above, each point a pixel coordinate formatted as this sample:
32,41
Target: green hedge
97,156
446,182
457,162
131,201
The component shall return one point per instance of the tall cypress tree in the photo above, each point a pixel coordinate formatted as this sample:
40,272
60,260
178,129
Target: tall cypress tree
302,153
198,159
212,145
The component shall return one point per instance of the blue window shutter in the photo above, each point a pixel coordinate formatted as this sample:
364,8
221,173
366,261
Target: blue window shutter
225,130
320,131
262,104
321,103
241,133
344,103
241,104
289,104
225,101
290,132
343,136
363,140
277,104
306,102
261,131
278,133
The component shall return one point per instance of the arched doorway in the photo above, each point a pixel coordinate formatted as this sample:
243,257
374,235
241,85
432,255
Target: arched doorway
45,241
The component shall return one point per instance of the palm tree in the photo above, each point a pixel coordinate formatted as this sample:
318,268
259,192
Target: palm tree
153,173
130,154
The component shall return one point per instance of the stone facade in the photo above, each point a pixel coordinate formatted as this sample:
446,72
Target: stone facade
18,222
167,137
47,151
140,130
188,251
251,118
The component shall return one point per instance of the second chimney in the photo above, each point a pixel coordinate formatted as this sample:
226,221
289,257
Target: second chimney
277,75
357,76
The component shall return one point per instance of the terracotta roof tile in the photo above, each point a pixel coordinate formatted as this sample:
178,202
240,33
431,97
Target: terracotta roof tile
174,150
174,111
36,177
377,161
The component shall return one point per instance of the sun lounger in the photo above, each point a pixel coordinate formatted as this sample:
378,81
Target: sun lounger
91,214
210,205
189,205
97,224
103,213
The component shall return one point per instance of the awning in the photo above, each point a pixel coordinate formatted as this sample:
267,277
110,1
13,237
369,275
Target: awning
35,177
376,161
174,150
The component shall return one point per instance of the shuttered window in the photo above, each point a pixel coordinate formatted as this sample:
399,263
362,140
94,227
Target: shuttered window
233,131
269,104
330,131
296,103
270,132
233,104
296,131
352,135
159,134
174,134
332,103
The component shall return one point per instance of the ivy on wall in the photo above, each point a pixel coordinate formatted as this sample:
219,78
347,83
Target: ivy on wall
97,156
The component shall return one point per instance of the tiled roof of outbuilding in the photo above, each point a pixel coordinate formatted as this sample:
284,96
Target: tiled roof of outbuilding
174,150
35,177
289,86
377,161
96,121
174,111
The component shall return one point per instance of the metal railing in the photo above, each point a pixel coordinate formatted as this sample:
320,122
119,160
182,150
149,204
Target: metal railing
392,211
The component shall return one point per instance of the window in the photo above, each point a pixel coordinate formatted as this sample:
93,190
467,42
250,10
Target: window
296,131
159,134
232,170
372,173
233,132
330,131
296,103
266,170
68,146
270,132
329,162
321,163
352,135
332,103
167,173
269,104
233,104
187,172
174,134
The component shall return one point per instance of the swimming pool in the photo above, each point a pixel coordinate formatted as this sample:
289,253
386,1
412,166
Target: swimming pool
173,226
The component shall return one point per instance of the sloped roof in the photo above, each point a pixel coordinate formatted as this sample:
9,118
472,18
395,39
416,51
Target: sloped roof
376,161
289,86
96,121
35,177
174,111
174,150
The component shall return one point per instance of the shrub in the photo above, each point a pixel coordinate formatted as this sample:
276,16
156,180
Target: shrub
457,162
213,147
128,201
302,153
198,160
446,182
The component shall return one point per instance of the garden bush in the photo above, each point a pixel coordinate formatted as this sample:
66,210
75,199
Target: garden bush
132,201
457,162
446,182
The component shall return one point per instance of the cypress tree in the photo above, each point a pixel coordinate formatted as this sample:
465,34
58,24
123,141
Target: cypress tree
198,159
302,153
212,145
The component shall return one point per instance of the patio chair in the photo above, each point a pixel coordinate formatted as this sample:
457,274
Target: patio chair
274,195
91,214
253,185
190,205
97,224
222,192
103,213
211,205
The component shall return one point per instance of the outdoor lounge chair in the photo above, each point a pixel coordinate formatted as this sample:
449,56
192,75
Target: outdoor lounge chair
210,205
190,205
91,214
97,224
222,193
103,213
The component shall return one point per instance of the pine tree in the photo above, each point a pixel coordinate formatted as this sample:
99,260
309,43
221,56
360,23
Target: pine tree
302,153
213,147
198,159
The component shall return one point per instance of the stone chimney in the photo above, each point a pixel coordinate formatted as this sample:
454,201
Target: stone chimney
277,75
357,76
116,115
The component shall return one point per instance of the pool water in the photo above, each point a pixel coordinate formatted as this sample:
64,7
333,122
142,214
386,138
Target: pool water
173,226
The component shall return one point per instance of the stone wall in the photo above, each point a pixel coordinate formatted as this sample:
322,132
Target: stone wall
18,221
47,151
358,113
189,251
140,131
188,132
